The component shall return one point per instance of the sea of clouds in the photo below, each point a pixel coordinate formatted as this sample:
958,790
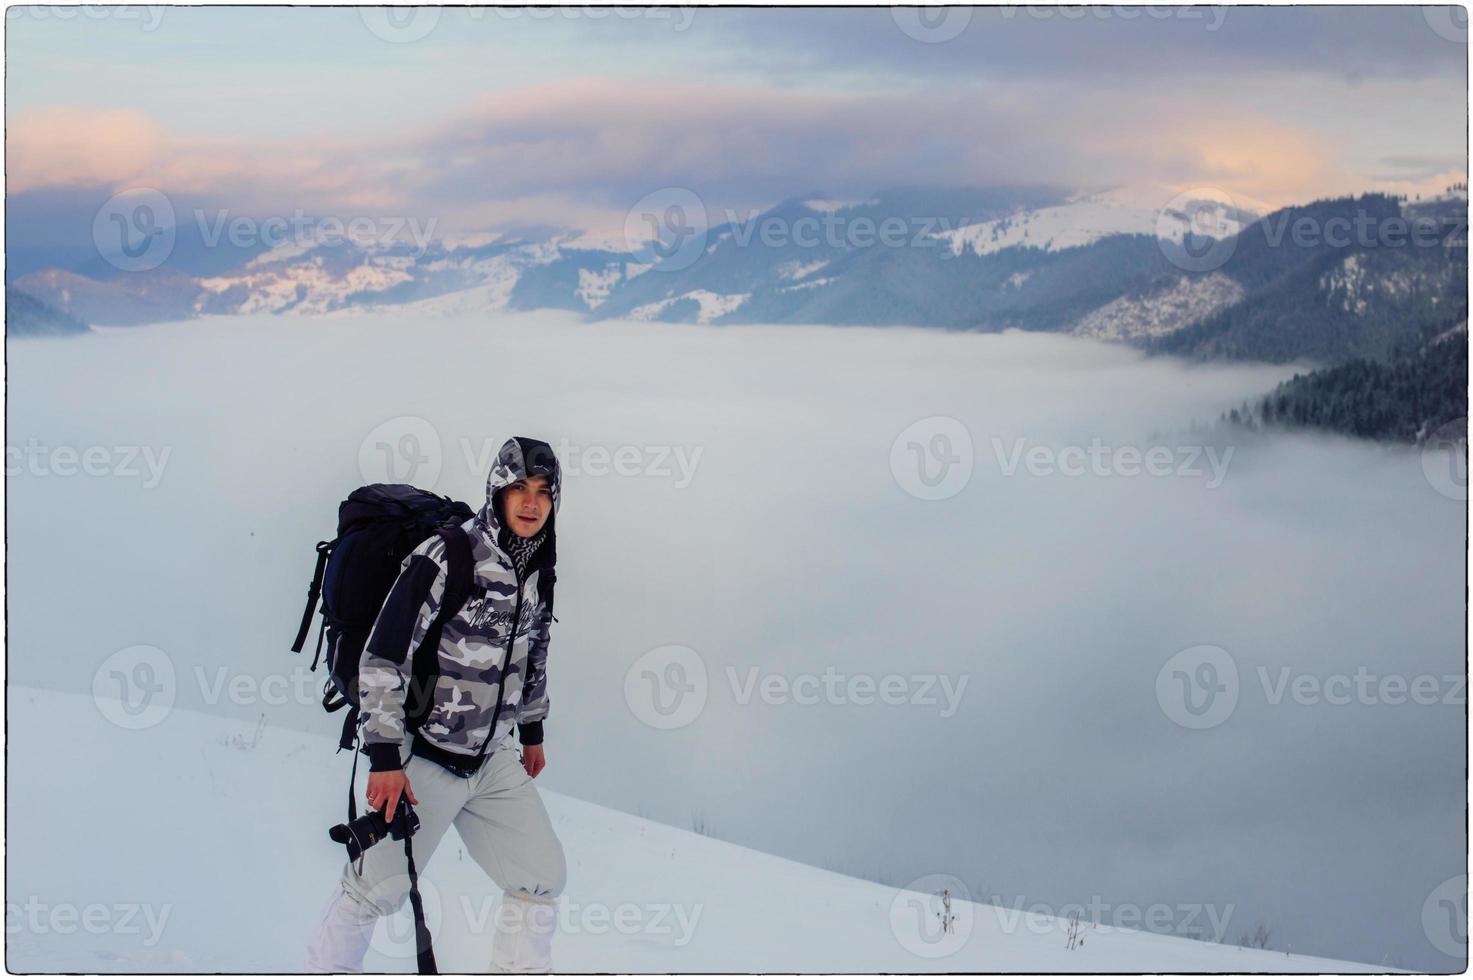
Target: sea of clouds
895,602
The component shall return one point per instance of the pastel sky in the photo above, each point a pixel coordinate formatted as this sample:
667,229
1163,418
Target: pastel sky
480,118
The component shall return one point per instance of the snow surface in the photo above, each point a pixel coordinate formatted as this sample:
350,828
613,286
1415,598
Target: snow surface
827,205
794,271
474,239
307,287
713,305
499,275
220,868
1351,286
596,240
806,284
594,284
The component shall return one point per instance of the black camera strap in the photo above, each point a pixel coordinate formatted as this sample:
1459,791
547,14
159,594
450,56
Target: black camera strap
423,943
352,780
424,948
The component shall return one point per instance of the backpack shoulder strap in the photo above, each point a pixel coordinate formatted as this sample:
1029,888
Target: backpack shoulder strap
461,575
546,583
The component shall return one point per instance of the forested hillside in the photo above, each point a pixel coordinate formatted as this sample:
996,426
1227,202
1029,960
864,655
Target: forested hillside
1405,399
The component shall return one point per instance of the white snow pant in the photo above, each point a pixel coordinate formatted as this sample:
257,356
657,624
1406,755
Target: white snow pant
500,818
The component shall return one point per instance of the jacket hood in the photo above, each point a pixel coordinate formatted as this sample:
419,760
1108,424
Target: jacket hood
519,459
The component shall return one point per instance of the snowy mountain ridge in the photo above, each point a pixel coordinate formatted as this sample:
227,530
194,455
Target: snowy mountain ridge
577,270
1137,264
1157,210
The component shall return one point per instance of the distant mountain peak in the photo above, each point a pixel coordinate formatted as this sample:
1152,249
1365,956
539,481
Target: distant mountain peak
1160,210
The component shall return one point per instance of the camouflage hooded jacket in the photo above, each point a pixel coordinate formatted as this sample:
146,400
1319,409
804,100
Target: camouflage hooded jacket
492,667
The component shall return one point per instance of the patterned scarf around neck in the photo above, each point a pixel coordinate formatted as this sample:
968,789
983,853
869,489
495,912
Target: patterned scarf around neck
522,549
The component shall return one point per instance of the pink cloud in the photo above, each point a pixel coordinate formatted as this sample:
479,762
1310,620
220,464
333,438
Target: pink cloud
67,145
589,146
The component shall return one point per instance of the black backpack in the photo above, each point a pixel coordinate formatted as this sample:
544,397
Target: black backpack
378,526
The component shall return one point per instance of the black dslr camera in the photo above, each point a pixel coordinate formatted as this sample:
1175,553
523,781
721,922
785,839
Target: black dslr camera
369,829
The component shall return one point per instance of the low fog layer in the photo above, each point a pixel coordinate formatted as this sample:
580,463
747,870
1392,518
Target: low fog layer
761,506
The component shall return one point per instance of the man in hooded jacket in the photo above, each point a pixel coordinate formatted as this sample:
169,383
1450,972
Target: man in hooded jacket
458,767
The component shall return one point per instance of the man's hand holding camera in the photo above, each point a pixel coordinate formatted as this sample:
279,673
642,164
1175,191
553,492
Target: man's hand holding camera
385,788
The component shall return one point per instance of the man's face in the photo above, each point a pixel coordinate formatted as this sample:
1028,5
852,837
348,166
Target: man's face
527,504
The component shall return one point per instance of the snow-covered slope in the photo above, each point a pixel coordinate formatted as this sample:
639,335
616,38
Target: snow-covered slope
1163,311
1165,212
308,287
710,305
199,844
